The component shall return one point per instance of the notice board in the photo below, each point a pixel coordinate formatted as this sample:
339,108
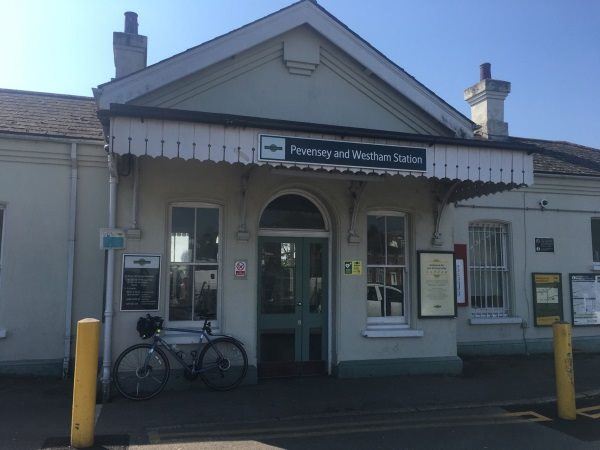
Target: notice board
547,298
437,284
140,285
585,298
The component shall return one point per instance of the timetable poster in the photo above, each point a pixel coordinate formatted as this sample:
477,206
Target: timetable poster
585,298
547,298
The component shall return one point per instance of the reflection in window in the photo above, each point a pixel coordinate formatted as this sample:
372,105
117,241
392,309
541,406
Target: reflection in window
386,266
194,267
278,281
294,212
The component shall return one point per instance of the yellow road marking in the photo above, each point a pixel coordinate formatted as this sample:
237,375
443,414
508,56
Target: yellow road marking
585,412
537,417
315,430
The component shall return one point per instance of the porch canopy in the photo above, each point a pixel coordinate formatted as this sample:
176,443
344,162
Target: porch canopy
473,167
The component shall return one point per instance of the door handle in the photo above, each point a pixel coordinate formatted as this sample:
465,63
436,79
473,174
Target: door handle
299,303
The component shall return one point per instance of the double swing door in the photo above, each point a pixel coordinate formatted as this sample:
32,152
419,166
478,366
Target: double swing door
292,306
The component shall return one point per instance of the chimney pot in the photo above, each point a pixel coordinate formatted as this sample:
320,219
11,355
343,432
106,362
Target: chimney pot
131,23
485,71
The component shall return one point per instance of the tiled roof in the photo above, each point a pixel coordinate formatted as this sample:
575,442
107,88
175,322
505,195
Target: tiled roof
70,116
566,158
53,115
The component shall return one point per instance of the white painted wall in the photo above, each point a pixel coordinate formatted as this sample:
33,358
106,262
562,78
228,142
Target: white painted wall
165,181
34,187
573,252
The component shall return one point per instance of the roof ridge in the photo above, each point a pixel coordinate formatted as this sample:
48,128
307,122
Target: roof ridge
45,94
556,142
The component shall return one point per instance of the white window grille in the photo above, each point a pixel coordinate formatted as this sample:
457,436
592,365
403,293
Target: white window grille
489,273
1,234
596,239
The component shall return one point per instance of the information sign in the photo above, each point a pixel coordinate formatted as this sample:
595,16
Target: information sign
341,153
544,245
437,287
547,298
353,267
585,298
140,282
112,239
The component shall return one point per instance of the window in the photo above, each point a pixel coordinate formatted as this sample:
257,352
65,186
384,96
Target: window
596,239
386,267
1,234
292,212
194,262
489,274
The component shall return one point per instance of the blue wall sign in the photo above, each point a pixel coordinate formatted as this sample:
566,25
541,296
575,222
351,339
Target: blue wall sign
341,153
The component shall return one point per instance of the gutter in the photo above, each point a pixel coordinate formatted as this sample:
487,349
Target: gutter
110,276
70,261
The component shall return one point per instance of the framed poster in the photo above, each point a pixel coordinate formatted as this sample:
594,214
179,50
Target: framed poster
585,298
437,284
140,282
547,298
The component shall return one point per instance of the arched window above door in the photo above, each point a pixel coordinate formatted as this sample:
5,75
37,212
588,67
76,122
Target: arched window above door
292,211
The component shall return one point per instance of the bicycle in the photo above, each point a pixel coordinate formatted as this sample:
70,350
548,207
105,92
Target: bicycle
142,370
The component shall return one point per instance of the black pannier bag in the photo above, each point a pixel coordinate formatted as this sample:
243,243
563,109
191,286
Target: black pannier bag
148,326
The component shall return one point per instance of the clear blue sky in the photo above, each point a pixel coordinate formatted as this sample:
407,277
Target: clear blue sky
548,49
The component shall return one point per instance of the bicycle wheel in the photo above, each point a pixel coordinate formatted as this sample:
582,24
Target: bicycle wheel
223,364
138,380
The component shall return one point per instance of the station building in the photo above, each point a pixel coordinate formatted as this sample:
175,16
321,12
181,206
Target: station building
307,195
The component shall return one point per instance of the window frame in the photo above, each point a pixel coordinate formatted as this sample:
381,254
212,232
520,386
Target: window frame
594,260
2,231
398,321
215,323
507,311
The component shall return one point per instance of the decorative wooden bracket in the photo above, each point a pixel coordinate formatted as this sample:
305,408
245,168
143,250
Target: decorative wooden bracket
356,190
243,234
437,239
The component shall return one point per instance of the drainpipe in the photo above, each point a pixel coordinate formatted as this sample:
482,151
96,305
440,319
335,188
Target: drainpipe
70,259
110,274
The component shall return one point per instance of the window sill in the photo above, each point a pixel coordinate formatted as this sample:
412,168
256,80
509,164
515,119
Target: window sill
176,337
392,332
496,321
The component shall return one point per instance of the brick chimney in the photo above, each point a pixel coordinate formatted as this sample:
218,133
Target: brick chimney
129,47
487,104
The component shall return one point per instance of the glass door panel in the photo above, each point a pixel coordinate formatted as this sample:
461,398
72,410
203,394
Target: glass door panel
292,297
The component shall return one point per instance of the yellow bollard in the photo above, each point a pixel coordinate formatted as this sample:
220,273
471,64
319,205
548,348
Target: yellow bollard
563,368
84,385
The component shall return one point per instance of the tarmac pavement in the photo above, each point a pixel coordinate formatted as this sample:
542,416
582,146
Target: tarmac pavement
35,412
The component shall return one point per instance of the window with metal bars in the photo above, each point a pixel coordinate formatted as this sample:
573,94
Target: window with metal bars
489,271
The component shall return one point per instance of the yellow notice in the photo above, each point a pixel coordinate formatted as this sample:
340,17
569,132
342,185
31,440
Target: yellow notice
356,267
543,278
547,320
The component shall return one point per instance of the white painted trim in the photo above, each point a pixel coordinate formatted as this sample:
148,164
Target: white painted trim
326,234
392,333
496,321
216,324
226,46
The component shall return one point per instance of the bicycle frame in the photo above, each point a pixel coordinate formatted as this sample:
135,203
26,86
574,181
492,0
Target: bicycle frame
159,341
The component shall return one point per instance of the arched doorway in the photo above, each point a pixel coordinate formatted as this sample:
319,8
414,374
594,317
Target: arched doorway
293,293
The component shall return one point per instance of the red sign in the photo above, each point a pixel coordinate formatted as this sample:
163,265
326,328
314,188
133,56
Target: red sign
240,269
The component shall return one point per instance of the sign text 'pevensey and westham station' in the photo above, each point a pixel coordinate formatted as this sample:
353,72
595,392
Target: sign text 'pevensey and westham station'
341,153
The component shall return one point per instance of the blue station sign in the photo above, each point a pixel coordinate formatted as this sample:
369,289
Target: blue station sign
298,150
